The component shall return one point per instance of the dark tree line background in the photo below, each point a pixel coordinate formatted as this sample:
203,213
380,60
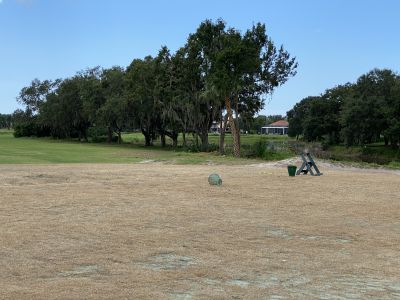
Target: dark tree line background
6,121
354,114
220,74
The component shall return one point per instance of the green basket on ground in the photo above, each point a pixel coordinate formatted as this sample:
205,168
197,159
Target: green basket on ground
292,170
214,179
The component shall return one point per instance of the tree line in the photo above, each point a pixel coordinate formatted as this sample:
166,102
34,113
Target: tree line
6,121
357,113
220,74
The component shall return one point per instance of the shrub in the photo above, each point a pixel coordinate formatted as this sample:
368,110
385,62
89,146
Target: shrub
260,148
30,128
100,135
192,147
97,131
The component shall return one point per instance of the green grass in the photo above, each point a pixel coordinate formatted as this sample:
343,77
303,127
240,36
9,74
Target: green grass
49,151
375,153
394,165
5,131
33,150
246,139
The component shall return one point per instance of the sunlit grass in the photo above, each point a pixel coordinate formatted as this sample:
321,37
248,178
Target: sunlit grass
48,151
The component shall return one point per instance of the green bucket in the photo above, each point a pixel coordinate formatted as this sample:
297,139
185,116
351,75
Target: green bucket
292,170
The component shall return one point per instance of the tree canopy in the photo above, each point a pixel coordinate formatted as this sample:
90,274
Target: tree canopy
219,74
355,113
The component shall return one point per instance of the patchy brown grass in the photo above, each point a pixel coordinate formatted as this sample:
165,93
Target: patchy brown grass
161,232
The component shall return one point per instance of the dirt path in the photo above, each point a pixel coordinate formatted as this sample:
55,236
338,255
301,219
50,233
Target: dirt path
326,165
151,231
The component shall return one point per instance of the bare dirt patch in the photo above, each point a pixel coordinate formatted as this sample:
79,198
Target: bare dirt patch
152,231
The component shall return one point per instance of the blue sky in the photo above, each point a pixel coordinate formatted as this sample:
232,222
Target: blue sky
334,41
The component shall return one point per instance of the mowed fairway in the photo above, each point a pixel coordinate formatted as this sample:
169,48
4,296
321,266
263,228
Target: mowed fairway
156,231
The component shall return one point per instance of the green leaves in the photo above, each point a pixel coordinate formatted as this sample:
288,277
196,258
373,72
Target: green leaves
355,114
171,93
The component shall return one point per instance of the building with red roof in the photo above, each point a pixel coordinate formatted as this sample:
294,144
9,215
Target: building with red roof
278,127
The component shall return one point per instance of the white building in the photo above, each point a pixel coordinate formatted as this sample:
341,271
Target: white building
279,127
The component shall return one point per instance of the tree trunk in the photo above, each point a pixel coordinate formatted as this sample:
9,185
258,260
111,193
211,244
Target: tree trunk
204,141
84,133
162,137
222,141
222,127
394,143
183,139
234,130
196,139
386,141
174,137
109,134
236,119
119,137
147,138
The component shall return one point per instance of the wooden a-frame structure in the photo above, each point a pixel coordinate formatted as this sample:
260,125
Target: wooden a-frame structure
308,166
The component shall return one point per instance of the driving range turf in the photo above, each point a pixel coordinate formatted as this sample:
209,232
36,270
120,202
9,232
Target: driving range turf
152,230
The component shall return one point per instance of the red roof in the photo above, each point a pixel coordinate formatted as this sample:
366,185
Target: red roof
280,123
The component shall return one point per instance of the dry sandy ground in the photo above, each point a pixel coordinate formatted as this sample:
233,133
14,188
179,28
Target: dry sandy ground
151,231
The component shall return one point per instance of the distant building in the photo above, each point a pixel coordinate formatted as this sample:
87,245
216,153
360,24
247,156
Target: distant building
278,127
216,127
